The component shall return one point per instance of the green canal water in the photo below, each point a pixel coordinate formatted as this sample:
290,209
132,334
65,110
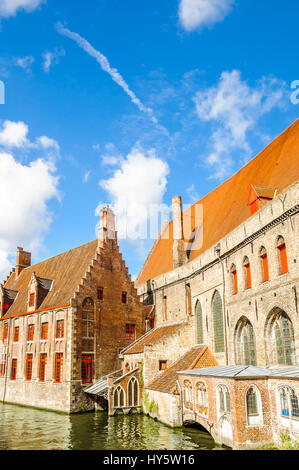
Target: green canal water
31,429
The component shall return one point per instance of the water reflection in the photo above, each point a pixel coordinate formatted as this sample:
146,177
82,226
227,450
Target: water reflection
30,429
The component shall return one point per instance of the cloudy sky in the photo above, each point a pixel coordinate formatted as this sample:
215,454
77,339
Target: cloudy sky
130,103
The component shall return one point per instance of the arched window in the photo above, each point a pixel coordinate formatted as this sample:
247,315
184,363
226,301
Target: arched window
245,343
264,264
289,405
199,327
247,273
133,392
223,399
253,406
218,323
280,339
234,279
119,397
282,256
201,398
88,325
188,394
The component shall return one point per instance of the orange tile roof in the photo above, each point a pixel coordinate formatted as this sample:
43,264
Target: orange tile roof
197,357
277,166
150,338
65,269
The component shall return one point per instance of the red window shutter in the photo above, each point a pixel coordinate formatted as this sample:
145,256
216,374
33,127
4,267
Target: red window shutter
31,300
60,329
5,333
283,258
58,367
17,334
29,367
235,282
265,267
44,333
248,275
30,332
14,369
87,368
152,323
3,365
42,367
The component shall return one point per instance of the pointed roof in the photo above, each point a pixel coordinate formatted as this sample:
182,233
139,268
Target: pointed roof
62,273
198,356
225,208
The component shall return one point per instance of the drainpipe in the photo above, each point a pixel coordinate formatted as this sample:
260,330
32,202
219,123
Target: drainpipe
181,401
6,365
217,252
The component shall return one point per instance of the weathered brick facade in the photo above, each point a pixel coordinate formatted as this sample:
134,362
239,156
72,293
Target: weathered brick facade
92,327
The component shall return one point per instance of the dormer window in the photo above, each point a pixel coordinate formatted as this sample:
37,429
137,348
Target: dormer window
31,300
7,297
259,196
38,291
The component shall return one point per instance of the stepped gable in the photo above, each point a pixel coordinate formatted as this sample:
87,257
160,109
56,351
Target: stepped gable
225,208
65,270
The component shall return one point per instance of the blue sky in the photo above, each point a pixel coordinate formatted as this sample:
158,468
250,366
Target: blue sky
130,103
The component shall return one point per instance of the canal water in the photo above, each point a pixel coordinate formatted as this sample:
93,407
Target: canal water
30,429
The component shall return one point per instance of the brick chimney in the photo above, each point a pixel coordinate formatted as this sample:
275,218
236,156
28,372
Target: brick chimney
178,248
107,226
23,260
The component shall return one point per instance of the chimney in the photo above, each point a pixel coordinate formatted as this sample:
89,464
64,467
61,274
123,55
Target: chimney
23,260
107,226
178,248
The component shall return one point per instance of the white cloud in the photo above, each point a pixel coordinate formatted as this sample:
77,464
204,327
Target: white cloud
25,62
86,176
48,143
11,7
52,58
105,65
24,193
136,191
195,14
13,134
235,108
192,194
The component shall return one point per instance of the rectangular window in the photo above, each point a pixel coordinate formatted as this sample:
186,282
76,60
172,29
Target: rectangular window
58,367
87,368
124,297
130,332
265,267
30,335
3,365
100,293
28,372
162,365
16,334
31,300
44,331
42,367
14,369
60,329
152,322
5,333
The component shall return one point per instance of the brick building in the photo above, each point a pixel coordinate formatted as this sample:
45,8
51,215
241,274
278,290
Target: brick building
64,321
222,277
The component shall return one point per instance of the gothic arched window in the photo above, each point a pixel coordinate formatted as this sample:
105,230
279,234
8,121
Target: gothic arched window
253,406
199,326
119,397
218,323
133,392
245,343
